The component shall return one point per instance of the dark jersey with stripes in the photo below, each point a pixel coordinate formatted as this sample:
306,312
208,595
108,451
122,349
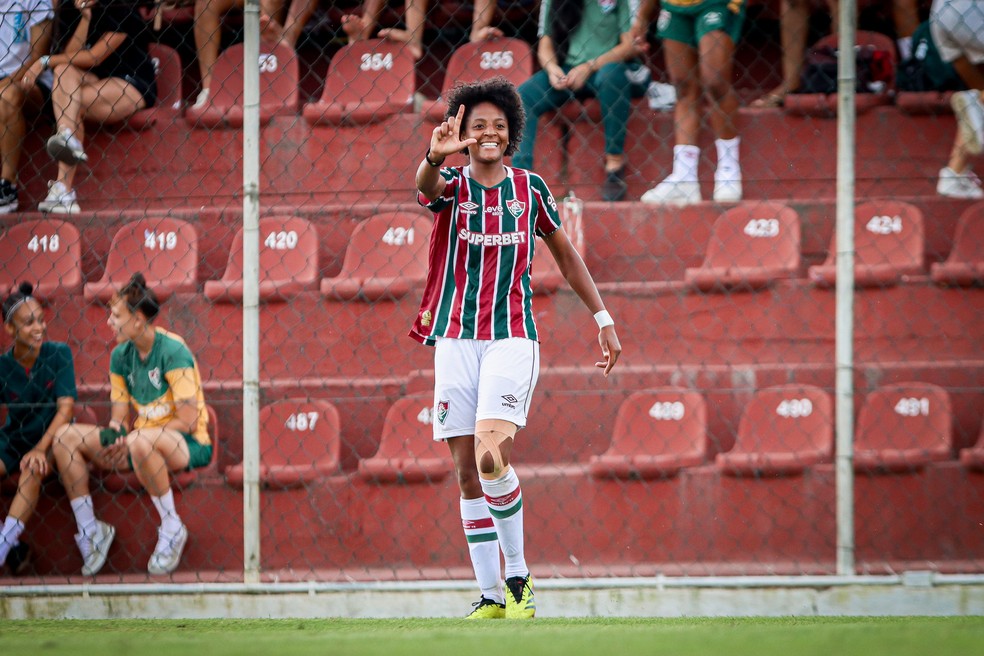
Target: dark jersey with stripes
480,280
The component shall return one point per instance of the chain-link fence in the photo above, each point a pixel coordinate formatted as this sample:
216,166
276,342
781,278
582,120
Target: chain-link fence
709,450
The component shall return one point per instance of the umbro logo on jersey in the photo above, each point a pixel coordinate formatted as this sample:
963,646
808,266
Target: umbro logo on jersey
468,207
510,401
516,207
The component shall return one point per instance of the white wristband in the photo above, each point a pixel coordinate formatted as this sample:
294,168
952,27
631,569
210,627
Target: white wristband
603,319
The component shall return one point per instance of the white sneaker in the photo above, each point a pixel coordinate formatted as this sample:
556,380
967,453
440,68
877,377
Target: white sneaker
60,199
167,553
66,148
95,548
673,192
727,185
970,119
959,185
201,100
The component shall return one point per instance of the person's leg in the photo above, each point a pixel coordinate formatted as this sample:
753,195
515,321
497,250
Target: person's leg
613,90
12,125
681,186
360,28
413,35
794,20
87,97
479,529
298,14
208,37
905,15
74,447
538,98
155,453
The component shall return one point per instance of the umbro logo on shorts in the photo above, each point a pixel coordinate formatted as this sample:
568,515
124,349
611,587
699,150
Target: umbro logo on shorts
510,401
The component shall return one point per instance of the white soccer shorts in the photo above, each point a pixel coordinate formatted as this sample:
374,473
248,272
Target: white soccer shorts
957,27
478,379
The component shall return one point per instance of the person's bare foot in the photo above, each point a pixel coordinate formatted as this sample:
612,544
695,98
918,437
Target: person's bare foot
356,27
774,98
415,47
487,33
271,30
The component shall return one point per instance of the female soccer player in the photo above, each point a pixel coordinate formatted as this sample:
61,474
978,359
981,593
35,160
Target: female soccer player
152,370
37,384
477,311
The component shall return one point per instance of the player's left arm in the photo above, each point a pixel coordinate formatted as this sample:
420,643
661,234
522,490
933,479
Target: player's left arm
184,390
579,278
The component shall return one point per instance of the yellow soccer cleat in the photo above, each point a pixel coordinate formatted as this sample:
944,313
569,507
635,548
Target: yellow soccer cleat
519,598
486,609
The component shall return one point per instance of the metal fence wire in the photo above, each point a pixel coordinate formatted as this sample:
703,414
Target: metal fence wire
710,450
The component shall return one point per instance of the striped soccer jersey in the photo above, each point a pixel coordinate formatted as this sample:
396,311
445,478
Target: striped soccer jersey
154,385
479,277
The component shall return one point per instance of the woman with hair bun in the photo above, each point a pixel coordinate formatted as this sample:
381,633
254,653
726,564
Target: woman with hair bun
152,370
37,385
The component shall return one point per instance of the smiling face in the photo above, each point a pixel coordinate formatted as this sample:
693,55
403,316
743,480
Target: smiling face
125,324
27,326
487,124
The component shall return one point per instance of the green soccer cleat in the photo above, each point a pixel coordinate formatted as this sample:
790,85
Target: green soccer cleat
486,609
519,598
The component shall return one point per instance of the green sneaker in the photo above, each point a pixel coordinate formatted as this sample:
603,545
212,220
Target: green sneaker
519,598
486,609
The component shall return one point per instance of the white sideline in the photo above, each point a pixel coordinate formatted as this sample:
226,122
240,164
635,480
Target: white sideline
909,593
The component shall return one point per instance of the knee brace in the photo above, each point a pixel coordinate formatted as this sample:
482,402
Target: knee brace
489,436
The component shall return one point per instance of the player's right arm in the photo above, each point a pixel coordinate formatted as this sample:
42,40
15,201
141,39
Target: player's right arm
445,140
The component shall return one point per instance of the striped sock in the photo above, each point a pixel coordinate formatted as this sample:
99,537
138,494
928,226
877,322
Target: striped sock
505,499
483,547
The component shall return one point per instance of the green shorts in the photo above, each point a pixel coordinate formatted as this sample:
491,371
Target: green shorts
689,24
199,454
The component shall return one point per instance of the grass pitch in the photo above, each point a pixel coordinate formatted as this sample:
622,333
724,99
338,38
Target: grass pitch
861,636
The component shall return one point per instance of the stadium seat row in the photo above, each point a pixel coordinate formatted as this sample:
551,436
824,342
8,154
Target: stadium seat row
752,245
783,431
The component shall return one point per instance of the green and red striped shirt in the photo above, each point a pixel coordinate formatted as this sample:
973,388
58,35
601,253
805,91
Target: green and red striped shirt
479,276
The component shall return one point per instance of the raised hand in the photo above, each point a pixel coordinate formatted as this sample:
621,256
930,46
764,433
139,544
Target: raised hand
446,138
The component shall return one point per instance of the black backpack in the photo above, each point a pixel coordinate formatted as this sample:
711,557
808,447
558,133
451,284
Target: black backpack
925,70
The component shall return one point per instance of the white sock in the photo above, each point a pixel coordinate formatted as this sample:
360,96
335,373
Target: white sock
685,161
505,500
483,546
11,532
905,47
170,522
85,515
728,166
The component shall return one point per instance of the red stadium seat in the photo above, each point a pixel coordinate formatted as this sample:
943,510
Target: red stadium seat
368,82
407,451
508,57
165,250
973,457
825,104
278,87
924,102
888,244
288,262
903,427
299,444
128,481
46,253
965,265
752,245
783,430
386,258
656,435
169,106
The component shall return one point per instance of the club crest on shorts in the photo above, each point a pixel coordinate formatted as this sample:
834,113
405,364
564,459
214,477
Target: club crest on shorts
516,207
155,377
426,318
442,411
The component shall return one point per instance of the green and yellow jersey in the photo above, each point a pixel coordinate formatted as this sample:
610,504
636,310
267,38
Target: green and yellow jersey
155,385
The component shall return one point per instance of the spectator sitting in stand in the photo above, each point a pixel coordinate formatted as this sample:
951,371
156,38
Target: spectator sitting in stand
104,74
957,27
25,36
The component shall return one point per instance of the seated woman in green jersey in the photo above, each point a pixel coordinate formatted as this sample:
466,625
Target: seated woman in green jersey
153,371
37,385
